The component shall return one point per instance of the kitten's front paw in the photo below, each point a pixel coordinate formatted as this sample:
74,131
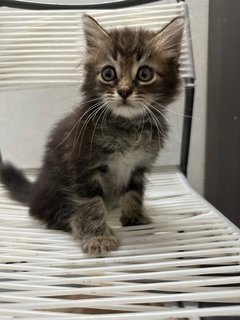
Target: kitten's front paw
97,246
134,220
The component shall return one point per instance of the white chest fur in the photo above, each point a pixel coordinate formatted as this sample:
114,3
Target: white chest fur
121,165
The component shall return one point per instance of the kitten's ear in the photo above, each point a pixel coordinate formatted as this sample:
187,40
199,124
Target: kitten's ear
169,39
94,33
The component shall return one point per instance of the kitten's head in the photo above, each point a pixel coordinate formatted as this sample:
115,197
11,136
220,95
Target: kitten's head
131,69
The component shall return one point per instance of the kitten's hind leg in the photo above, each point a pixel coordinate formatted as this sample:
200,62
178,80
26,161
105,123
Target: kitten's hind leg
133,212
89,226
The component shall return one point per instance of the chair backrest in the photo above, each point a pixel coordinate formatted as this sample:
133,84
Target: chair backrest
41,59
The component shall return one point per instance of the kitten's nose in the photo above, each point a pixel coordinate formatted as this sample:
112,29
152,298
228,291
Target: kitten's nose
124,92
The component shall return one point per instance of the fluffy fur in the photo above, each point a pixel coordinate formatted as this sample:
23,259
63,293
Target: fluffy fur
97,157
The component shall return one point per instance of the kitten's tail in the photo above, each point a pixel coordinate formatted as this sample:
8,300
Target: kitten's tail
16,182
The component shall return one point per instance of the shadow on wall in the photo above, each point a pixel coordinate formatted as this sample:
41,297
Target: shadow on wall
222,180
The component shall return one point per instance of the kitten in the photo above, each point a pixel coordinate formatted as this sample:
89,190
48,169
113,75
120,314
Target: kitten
96,158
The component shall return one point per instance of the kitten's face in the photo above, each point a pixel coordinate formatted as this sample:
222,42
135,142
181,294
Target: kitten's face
130,70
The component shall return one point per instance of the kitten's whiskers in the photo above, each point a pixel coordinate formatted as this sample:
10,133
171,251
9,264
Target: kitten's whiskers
95,127
165,117
104,120
84,127
157,110
75,125
144,108
169,110
151,106
92,111
141,133
156,123
152,120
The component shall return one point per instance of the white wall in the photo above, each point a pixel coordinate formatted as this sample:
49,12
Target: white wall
26,116
199,25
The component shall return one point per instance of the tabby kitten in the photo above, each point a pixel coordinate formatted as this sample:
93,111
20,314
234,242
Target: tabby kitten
96,158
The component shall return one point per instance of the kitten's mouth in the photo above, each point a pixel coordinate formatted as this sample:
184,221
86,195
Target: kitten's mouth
127,109
125,103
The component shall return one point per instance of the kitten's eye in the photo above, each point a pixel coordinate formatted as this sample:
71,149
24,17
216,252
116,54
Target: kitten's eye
145,74
109,74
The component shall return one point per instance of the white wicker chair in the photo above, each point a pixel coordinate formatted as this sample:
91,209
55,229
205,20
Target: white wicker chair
189,255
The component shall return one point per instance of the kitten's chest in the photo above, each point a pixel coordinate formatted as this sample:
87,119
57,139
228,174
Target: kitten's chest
121,165
126,153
